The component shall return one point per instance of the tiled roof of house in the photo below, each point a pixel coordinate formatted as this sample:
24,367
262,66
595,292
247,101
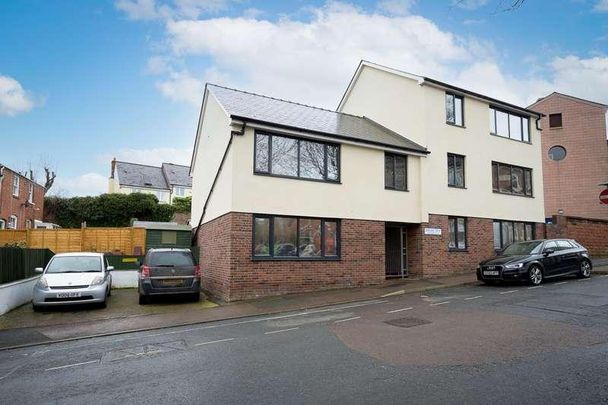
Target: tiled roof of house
133,174
253,107
177,175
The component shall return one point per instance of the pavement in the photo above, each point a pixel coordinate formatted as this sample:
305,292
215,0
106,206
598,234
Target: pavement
23,327
471,344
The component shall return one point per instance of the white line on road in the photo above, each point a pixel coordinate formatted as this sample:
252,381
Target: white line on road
508,292
348,319
473,298
561,282
399,310
604,275
536,286
391,294
72,365
10,372
213,341
280,331
440,303
584,279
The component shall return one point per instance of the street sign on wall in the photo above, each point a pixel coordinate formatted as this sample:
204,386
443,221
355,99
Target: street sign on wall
604,196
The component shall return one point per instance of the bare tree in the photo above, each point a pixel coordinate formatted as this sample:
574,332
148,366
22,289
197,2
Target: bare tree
49,179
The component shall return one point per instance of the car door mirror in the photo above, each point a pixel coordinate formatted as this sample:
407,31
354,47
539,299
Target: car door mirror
548,251
110,268
38,269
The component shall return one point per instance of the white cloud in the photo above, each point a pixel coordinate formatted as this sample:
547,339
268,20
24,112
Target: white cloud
83,185
586,78
469,4
601,6
14,99
138,9
151,10
181,86
396,7
151,156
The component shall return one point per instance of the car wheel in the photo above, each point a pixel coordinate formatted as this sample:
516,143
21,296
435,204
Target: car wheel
143,299
585,269
535,275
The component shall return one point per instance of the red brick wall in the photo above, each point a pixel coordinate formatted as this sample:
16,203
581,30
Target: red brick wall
235,276
593,234
11,205
572,184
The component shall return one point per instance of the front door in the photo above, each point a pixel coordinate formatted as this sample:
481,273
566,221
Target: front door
396,249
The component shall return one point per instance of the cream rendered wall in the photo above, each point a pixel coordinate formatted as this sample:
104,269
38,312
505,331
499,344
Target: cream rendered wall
361,194
214,134
418,112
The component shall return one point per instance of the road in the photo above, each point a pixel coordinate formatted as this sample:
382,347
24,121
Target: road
473,344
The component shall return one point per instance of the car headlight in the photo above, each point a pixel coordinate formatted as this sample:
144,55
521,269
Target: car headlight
97,281
42,283
514,266
585,254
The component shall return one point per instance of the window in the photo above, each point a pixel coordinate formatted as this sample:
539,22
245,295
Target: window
455,170
564,245
2,224
454,111
296,158
279,237
28,224
510,179
160,195
168,237
30,193
180,191
457,228
507,232
15,185
12,222
509,125
555,120
557,153
395,172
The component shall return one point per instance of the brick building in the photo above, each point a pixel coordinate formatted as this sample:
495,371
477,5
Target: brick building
409,177
575,155
21,200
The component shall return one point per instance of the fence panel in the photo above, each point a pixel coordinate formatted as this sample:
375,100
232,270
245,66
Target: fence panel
18,264
12,236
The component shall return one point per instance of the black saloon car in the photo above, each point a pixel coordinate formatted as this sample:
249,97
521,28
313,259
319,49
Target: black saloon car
535,260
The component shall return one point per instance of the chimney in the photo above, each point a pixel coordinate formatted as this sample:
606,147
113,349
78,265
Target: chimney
113,168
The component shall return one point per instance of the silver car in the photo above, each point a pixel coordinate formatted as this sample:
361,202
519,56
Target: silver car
73,278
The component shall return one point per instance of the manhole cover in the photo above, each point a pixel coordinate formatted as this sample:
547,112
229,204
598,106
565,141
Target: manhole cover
407,322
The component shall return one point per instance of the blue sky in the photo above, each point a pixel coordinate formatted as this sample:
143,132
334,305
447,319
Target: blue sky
83,81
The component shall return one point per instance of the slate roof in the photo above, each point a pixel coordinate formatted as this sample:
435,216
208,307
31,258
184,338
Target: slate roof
262,109
137,175
177,175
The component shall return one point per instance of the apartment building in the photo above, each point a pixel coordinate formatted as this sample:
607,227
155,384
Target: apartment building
409,177
21,200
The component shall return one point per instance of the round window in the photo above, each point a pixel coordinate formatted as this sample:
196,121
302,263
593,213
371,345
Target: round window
557,153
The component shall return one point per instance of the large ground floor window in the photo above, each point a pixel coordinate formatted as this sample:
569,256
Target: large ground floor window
282,237
507,232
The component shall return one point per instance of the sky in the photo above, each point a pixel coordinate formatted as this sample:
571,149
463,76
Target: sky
82,82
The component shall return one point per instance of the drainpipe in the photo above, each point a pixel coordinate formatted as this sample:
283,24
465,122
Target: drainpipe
217,175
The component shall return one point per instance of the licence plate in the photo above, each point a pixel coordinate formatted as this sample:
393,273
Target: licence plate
172,283
490,273
69,295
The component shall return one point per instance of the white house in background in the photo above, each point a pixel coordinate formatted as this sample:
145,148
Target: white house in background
410,176
165,182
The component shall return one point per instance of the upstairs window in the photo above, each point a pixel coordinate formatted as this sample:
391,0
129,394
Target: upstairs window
296,158
555,120
15,185
509,179
454,111
455,170
509,125
30,193
395,172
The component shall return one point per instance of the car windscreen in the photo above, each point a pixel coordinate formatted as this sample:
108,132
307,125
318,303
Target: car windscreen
158,259
74,264
522,248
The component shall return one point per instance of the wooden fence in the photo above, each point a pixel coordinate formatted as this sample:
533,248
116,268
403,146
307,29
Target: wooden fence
127,241
18,264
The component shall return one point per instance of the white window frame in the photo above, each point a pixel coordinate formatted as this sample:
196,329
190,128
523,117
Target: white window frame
30,193
16,185
180,191
2,224
28,224
11,219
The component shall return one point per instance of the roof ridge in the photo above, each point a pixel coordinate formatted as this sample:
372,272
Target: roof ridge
174,164
139,164
578,98
283,100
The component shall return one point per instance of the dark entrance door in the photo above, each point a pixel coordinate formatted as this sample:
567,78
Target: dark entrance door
395,240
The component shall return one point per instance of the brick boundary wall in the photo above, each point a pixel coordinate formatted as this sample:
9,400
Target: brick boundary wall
235,276
591,233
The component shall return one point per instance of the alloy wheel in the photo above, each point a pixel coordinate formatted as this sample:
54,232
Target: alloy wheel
585,268
536,275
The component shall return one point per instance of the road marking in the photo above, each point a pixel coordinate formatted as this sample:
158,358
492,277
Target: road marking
10,372
473,298
280,331
348,319
604,275
424,296
213,341
440,303
399,310
391,294
72,365
508,292
561,282
584,279
536,286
